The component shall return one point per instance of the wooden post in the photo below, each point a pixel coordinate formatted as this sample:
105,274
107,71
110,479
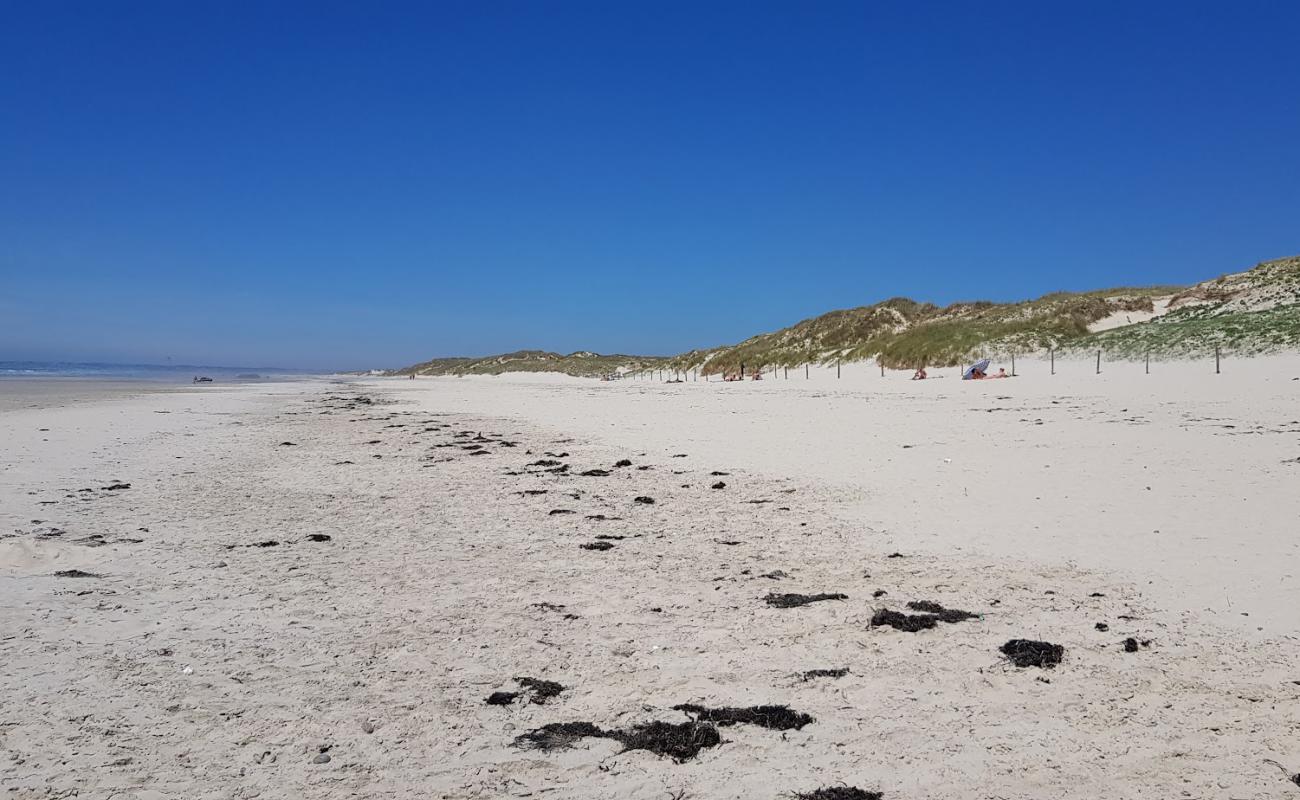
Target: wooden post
1098,362
882,370
787,373
1148,366
1052,354
837,367
1216,359
742,370
1013,365
805,371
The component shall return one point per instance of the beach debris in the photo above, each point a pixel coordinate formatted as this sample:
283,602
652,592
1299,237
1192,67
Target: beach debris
545,462
795,600
287,444
318,537
612,536
681,742
1130,645
777,718
547,606
623,462
600,517
897,620
718,485
1101,626
944,614
718,473
595,473
321,758
540,690
555,511
644,467
596,546
879,593
775,575
501,698
679,455
367,727
341,463
895,555
727,541
838,672
76,573
114,487
267,543
648,501
838,793
1031,653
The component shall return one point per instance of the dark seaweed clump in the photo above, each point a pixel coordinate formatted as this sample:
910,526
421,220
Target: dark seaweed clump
648,501
1130,645
623,462
595,473
75,573
778,718
541,690
795,600
501,698
1030,653
680,742
838,672
903,622
601,545
839,793
944,614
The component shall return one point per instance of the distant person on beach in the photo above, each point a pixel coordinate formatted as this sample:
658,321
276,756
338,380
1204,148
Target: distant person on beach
919,375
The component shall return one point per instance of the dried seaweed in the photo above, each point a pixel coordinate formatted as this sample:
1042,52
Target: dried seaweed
777,718
795,600
1030,653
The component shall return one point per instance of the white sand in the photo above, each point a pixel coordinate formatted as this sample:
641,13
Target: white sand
193,670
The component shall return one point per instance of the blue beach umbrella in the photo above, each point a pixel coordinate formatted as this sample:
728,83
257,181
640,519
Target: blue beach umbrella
982,365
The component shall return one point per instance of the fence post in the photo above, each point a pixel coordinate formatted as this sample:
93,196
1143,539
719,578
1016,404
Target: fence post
787,373
1051,352
1148,366
805,370
1216,359
837,367
1098,362
1013,365
882,370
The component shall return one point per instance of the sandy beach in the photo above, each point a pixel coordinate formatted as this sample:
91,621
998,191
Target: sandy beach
310,589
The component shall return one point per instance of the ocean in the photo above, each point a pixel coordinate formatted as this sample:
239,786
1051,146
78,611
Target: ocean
167,373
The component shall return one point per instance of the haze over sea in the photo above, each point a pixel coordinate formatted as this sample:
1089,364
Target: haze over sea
141,372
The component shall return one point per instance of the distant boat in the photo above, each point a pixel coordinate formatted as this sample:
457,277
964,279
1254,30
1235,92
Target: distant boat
202,379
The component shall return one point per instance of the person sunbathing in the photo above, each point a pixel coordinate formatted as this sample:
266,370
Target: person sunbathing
919,375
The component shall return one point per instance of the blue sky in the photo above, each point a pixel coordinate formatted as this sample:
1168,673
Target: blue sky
346,185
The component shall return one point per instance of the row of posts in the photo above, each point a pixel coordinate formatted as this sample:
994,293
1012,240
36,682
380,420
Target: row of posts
1051,354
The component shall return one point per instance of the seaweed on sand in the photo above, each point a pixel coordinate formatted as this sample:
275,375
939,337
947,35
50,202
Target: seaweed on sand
944,614
899,621
838,793
541,690
777,718
601,545
838,672
795,600
681,741
1030,653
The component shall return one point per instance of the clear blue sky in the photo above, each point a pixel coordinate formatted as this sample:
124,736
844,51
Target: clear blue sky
356,184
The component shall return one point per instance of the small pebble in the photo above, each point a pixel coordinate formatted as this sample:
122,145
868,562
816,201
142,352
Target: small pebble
368,726
322,758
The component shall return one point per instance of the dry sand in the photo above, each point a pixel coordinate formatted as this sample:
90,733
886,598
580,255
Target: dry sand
199,664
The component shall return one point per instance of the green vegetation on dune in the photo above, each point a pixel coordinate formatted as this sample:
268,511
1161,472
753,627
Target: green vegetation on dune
1255,311
580,364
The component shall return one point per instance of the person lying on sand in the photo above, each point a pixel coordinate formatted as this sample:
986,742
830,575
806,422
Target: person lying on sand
919,375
